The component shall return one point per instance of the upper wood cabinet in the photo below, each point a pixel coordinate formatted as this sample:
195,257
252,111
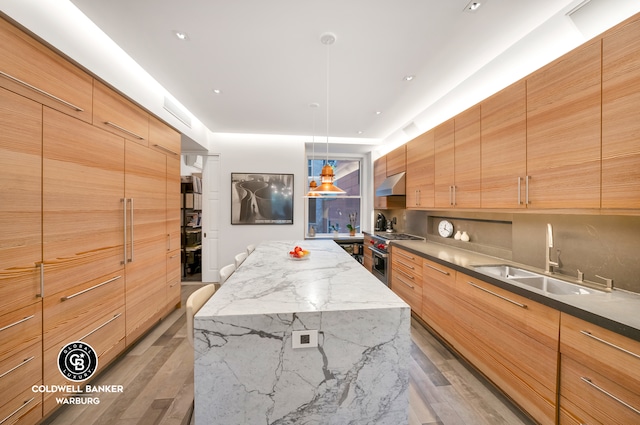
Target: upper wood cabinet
420,172
164,138
29,68
379,174
114,113
620,123
444,163
396,161
563,131
466,191
504,147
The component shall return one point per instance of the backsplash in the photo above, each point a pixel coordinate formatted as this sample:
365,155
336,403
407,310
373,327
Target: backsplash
608,246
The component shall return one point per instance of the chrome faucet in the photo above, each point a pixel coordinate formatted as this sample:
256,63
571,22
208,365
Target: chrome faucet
548,264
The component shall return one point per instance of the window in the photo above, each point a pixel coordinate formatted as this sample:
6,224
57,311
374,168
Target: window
326,214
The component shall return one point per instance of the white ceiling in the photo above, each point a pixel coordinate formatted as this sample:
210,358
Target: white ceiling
267,58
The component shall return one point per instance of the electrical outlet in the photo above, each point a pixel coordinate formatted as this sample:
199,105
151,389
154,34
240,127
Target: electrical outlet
304,339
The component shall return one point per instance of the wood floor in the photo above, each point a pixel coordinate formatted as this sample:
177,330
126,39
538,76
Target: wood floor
157,375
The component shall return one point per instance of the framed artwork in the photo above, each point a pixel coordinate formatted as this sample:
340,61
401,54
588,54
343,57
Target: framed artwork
261,198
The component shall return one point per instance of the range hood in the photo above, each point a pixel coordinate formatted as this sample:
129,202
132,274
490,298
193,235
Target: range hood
392,185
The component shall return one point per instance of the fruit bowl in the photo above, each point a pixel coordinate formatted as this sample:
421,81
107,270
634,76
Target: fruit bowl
298,254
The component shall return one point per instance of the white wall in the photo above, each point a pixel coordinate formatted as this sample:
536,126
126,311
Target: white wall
241,154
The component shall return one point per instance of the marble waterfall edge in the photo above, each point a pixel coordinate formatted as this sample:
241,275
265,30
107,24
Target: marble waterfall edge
358,374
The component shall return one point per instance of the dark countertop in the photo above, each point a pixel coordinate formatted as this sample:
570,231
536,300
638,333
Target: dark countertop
617,311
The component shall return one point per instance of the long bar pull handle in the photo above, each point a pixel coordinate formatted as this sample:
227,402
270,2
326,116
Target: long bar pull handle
17,410
165,149
450,195
409,266
41,264
407,284
124,201
402,254
608,394
89,289
437,269
131,225
454,195
101,326
17,323
124,130
497,295
42,92
519,190
526,190
24,362
405,274
590,335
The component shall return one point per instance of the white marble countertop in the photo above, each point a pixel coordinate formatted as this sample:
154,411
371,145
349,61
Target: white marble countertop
269,282
618,308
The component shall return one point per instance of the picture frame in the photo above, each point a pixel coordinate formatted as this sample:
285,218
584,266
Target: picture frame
261,198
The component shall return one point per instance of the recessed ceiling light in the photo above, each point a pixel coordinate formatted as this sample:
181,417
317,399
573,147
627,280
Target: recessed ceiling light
181,35
378,112
472,6
408,77
360,131
217,91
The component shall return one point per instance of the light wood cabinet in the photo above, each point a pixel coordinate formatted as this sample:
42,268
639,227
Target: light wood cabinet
439,299
379,174
444,139
118,115
466,189
90,239
599,374
21,364
367,256
513,341
21,205
420,172
406,277
504,148
563,131
145,190
34,71
83,210
396,161
92,312
620,124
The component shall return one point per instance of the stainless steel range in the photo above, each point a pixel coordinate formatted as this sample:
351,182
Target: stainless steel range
380,250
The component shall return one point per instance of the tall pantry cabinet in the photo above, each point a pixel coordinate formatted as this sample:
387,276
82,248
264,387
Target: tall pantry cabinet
89,221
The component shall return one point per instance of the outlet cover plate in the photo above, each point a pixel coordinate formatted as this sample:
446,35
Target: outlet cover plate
304,339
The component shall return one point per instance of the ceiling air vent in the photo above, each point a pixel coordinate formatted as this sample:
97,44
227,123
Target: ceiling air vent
177,112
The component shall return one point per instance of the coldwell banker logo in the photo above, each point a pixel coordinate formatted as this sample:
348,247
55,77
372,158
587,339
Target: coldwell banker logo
77,361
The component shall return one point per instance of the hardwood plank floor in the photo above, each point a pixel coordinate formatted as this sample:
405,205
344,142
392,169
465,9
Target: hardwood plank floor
157,375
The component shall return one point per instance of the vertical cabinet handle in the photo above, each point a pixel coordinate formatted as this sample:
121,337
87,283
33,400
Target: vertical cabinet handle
519,190
131,227
41,264
526,190
124,227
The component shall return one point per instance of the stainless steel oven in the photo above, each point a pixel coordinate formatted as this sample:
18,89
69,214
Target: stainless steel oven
380,266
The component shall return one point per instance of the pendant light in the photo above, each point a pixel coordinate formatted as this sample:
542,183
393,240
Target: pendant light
326,176
313,185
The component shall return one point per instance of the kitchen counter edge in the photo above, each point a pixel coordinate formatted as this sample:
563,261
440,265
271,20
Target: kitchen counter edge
462,260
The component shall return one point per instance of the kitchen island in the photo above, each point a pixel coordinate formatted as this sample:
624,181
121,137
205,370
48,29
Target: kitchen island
246,371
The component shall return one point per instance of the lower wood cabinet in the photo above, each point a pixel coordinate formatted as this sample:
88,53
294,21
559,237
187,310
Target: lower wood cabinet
513,341
367,256
439,299
21,364
599,375
406,277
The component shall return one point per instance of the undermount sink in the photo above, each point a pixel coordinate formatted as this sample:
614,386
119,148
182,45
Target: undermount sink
535,280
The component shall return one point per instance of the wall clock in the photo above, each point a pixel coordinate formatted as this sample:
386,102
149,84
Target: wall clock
445,228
